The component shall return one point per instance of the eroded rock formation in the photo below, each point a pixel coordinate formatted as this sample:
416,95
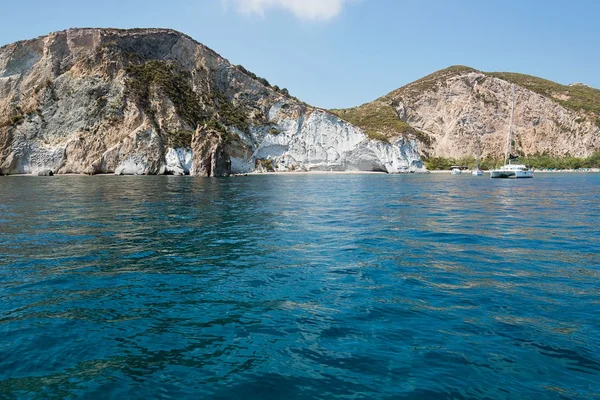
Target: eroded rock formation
100,101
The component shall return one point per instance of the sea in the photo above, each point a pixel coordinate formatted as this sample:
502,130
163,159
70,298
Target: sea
300,286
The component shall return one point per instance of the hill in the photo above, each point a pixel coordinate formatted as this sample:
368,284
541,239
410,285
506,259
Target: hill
460,112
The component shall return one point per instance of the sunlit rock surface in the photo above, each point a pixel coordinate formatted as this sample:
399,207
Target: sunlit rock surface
154,101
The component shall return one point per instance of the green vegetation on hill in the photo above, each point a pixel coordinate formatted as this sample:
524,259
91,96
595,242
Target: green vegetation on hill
173,83
262,80
544,161
442,163
538,161
427,82
179,138
229,113
12,120
576,97
379,121
265,164
176,85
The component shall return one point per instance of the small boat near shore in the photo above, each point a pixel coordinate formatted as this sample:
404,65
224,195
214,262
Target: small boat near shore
456,169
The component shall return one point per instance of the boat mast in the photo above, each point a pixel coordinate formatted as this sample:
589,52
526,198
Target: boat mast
509,140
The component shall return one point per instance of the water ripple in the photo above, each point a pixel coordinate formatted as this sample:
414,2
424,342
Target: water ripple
346,286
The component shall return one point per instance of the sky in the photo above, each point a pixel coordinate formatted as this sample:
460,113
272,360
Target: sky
343,53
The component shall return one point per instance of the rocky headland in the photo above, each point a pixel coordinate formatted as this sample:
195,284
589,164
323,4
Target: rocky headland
155,101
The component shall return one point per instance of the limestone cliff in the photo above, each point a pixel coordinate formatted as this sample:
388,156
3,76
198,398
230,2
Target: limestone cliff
154,101
460,112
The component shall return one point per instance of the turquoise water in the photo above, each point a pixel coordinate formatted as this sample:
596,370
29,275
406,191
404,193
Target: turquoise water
300,286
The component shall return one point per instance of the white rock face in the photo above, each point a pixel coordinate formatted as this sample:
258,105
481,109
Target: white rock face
323,142
135,164
31,157
178,161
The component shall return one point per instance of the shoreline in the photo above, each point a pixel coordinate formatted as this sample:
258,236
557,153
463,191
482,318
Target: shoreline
544,171
255,173
316,173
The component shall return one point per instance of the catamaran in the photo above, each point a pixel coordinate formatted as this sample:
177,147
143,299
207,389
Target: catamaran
509,170
512,171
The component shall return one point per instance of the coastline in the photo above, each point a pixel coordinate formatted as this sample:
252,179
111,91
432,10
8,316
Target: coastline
544,171
255,173
240,174
312,173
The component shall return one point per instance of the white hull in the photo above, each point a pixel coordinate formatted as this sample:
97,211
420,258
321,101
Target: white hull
511,173
477,172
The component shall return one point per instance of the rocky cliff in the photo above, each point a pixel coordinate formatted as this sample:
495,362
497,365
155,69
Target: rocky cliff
461,112
154,101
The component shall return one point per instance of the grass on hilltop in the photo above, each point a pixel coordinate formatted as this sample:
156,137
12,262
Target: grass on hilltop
379,121
579,97
428,82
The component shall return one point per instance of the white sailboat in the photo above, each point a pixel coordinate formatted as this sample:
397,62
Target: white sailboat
509,170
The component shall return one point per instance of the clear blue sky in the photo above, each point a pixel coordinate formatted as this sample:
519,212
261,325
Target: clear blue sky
343,57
